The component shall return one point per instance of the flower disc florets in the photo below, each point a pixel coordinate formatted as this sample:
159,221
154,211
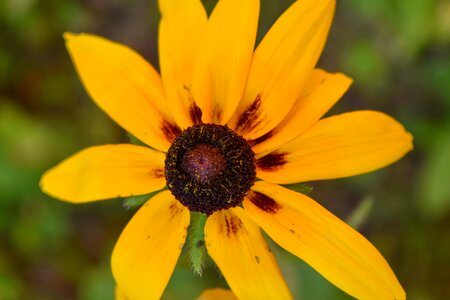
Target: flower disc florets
209,168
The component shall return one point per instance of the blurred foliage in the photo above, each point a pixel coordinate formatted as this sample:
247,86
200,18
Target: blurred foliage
397,51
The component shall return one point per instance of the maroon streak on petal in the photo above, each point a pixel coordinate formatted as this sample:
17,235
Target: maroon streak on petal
261,138
264,202
175,209
232,225
196,114
272,162
170,130
248,118
157,173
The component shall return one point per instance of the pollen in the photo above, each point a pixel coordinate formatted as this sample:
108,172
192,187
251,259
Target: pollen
203,163
209,168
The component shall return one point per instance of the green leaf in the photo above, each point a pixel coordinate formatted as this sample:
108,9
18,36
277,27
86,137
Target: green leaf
299,188
136,201
196,242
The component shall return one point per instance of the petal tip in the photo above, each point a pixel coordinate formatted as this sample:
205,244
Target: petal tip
42,182
68,36
410,139
46,186
347,78
45,182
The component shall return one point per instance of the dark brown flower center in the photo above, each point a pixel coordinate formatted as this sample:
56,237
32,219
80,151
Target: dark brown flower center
209,167
203,163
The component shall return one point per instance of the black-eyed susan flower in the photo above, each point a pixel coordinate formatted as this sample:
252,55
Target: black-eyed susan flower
226,124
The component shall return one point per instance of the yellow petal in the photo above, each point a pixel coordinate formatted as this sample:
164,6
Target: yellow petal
338,252
119,295
180,30
281,66
147,250
338,146
217,294
104,172
236,245
125,86
223,60
321,92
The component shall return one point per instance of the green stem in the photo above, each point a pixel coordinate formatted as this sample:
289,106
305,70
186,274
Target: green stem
196,242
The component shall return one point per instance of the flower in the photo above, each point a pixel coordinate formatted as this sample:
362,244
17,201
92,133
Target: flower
226,114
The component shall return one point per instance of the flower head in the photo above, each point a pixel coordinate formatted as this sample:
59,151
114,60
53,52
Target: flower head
222,115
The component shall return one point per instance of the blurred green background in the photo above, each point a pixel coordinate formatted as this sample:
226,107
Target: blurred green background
397,51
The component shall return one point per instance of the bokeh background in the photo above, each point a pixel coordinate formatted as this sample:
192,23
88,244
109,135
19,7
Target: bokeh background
397,51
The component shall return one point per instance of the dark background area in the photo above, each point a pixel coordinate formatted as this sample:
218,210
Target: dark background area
398,53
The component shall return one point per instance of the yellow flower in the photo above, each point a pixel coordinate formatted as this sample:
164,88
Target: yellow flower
267,106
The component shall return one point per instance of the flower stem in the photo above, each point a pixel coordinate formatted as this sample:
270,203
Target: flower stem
196,242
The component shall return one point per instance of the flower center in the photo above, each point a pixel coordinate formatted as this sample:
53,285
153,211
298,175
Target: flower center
203,163
209,167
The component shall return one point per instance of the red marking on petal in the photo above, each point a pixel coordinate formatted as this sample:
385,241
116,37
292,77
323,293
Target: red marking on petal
249,117
196,114
264,202
170,130
232,225
175,209
157,173
272,161
261,139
